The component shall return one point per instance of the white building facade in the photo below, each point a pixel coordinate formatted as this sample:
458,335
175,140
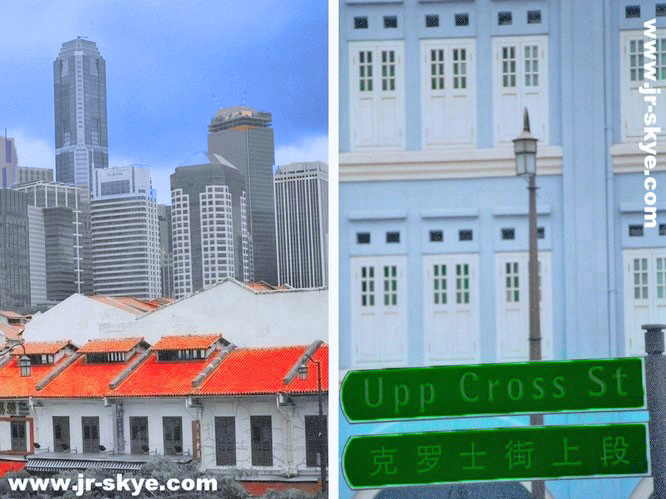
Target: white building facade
125,233
301,218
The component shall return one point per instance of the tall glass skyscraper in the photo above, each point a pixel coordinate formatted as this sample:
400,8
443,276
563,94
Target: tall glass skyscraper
79,87
243,137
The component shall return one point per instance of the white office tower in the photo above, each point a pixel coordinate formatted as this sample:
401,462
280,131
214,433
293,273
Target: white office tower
301,215
125,230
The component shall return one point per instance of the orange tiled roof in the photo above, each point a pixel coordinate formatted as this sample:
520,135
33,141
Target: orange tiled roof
248,371
110,345
186,342
162,378
84,380
42,347
10,332
11,315
13,385
127,303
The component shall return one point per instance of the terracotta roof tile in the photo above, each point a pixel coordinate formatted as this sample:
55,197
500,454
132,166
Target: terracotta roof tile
42,347
126,303
186,342
162,378
248,371
10,332
13,385
82,379
11,315
110,345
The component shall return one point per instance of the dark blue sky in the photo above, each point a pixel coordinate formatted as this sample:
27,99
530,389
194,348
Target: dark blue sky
165,61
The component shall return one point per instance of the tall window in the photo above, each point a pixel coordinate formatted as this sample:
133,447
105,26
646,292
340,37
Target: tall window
90,427
19,435
61,434
225,440
172,427
448,92
377,95
633,48
520,81
312,441
644,294
262,440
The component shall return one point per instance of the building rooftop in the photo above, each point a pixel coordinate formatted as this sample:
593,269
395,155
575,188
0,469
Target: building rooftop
239,116
111,345
187,342
43,347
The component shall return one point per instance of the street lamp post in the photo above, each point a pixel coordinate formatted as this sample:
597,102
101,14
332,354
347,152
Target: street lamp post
23,361
303,374
525,148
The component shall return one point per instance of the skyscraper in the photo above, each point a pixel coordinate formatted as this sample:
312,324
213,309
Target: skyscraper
211,238
14,248
8,163
30,174
49,195
243,137
301,215
79,87
166,249
125,232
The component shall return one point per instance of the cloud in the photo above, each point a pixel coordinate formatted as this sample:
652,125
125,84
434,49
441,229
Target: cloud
309,149
33,151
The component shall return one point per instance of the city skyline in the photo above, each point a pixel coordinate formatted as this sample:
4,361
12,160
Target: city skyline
150,98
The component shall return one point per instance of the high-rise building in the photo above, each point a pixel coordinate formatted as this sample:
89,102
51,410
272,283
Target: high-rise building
211,236
8,164
14,246
81,134
29,174
125,232
77,199
166,249
301,215
37,245
243,137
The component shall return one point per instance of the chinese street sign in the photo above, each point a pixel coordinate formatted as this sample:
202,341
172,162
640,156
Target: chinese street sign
544,452
493,389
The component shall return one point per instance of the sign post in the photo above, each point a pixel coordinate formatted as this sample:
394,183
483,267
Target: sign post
655,377
499,454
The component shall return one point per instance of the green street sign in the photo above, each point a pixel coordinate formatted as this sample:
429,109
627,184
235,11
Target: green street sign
545,452
493,389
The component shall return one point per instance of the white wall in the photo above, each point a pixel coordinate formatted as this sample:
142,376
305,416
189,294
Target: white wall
242,409
79,319
245,318
5,436
75,409
155,410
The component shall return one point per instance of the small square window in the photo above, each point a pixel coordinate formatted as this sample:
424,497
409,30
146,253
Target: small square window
465,235
436,236
508,234
462,19
504,18
432,21
632,11
541,233
362,238
662,229
635,231
390,21
533,17
360,23
393,237
661,9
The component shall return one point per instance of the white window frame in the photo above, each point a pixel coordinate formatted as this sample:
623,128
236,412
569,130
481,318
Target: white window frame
377,97
433,354
540,132
387,354
449,93
628,87
654,308
546,322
